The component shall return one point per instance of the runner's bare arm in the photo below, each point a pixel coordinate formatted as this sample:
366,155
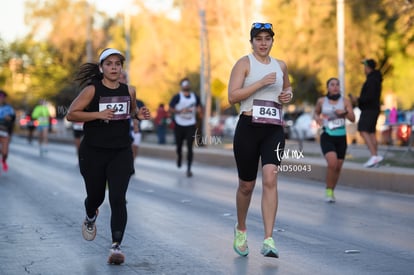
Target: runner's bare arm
77,112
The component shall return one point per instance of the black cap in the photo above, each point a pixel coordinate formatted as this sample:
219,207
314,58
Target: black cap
261,27
370,63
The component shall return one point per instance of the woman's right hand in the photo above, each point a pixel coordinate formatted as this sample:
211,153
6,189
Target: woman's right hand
106,114
269,79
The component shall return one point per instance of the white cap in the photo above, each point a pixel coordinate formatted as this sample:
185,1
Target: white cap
108,52
185,83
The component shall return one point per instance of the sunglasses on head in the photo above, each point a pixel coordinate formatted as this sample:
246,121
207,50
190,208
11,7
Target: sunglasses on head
266,26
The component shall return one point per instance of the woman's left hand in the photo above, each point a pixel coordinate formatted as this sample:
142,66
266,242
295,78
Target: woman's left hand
144,113
341,113
285,96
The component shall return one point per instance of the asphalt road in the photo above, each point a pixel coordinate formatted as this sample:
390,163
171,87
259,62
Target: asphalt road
180,225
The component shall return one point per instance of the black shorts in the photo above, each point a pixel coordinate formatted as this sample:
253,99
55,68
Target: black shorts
254,141
335,144
368,121
77,133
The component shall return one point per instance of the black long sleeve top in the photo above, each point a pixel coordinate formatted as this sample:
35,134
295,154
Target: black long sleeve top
369,98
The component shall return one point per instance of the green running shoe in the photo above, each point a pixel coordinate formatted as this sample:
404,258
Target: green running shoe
329,195
269,248
240,242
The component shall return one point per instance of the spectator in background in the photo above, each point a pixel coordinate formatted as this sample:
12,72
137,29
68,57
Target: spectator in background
161,121
7,117
30,127
369,104
42,117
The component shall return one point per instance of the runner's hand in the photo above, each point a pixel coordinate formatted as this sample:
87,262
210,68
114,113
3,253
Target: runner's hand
106,114
269,79
285,96
144,113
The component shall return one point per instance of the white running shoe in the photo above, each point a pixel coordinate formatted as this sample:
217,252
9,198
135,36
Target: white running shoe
116,256
379,159
89,227
371,162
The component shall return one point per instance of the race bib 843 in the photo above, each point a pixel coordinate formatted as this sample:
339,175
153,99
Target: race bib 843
267,112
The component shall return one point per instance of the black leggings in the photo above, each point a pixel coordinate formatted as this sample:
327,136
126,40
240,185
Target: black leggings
254,141
102,166
185,133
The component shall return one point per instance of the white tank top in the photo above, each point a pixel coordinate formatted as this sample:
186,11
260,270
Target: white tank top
333,125
258,71
188,117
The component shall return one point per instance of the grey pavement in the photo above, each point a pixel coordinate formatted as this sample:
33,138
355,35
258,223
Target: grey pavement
180,225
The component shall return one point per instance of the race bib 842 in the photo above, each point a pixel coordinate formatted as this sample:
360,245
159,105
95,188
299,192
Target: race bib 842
121,105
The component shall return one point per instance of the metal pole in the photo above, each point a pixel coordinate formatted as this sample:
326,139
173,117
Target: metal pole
340,38
205,76
202,64
207,113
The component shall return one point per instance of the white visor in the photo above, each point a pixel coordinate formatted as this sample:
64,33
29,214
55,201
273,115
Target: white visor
109,52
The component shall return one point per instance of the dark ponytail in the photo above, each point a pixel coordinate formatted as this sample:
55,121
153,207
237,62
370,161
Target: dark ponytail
88,73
